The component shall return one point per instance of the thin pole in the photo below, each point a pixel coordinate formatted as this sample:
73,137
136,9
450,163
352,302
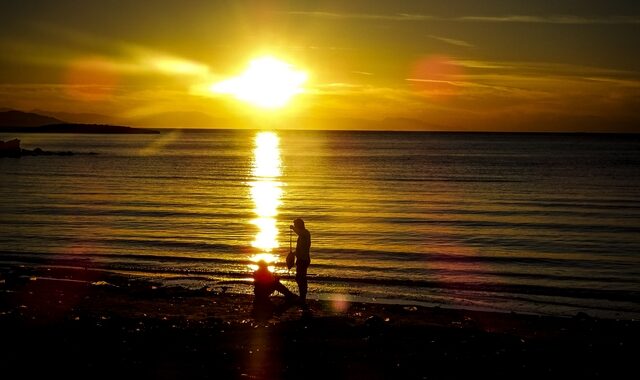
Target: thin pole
289,269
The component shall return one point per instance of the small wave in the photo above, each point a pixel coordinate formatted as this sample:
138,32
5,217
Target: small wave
399,256
573,292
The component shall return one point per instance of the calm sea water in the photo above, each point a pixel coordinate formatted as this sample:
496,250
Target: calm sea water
526,222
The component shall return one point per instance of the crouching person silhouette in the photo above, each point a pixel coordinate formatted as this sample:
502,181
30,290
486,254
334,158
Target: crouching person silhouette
264,284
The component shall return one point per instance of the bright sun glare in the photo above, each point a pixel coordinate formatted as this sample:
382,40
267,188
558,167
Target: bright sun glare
266,83
266,191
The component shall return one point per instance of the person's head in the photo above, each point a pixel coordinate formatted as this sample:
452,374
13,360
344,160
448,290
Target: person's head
262,265
299,224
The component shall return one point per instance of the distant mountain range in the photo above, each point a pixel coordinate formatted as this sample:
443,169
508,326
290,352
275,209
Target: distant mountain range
14,118
28,122
189,119
79,128
82,117
185,119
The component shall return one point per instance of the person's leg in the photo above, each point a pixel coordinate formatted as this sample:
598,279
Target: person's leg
262,293
262,306
301,279
283,290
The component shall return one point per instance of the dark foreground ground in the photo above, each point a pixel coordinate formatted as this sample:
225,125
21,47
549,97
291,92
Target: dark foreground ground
86,328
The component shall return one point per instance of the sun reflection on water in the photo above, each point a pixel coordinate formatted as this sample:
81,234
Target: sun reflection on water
266,191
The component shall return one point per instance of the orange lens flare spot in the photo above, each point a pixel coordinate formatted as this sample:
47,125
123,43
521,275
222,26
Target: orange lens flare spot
437,76
339,303
91,79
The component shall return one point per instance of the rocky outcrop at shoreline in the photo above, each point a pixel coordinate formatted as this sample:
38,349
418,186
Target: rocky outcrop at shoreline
12,148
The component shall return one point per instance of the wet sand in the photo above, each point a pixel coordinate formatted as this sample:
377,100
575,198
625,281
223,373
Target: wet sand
91,324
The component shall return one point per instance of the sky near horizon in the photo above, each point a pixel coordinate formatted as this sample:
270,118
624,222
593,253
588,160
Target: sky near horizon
452,65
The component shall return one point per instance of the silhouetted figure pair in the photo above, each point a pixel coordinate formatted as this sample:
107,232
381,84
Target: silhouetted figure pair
266,283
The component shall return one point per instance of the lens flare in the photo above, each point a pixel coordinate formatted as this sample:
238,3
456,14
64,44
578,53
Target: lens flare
91,79
437,77
339,302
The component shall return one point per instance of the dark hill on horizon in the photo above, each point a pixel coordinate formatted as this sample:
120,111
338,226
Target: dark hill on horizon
82,117
201,120
13,118
13,121
79,128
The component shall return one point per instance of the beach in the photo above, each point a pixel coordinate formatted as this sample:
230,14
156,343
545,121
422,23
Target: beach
458,220
458,183
84,323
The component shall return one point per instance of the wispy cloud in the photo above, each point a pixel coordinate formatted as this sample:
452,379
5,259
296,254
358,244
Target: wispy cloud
544,68
478,85
449,82
561,19
483,64
452,41
615,81
364,16
339,85
68,47
529,19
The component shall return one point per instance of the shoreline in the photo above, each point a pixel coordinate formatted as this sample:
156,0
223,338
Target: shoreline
241,284
89,324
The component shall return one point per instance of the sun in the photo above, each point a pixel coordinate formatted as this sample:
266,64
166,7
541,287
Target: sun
266,83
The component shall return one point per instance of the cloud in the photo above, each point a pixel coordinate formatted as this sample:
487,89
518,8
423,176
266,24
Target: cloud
450,82
528,19
543,68
68,47
617,82
565,19
452,41
482,64
362,73
363,16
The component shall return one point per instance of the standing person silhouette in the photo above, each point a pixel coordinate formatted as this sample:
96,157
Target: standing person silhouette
301,255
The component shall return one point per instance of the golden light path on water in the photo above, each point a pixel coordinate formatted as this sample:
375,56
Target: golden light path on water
266,191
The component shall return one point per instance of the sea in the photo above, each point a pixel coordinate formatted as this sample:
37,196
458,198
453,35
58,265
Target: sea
516,222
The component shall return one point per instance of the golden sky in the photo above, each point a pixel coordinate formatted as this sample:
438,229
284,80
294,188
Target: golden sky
433,65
